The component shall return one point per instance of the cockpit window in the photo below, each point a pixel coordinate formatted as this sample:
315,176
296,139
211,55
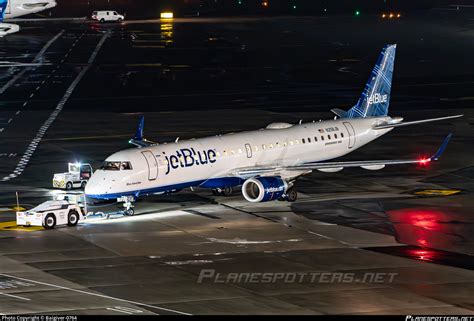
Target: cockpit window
126,166
111,166
116,166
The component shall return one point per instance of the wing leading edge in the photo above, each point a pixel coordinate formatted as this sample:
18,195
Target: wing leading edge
329,166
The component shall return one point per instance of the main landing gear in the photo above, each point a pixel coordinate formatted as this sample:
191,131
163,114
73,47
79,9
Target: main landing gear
291,195
127,204
226,191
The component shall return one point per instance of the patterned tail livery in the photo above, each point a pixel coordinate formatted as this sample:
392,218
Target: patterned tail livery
375,98
3,9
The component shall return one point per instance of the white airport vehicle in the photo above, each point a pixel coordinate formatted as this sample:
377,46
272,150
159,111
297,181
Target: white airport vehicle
76,177
65,209
265,162
107,16
10,9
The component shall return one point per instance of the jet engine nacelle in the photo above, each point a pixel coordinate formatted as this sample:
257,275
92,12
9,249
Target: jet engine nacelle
264,189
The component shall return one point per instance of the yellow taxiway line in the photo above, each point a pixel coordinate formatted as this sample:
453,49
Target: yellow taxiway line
11,226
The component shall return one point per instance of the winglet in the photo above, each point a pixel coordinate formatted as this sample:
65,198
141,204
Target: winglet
441,149
141,125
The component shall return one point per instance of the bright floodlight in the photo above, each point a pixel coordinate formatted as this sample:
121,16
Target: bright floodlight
166,15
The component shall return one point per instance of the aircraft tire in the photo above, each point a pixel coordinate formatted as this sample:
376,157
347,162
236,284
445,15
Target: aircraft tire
291,195
227,191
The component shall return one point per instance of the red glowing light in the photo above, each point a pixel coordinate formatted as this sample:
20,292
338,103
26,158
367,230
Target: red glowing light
425,255
424,218
424,161
422,242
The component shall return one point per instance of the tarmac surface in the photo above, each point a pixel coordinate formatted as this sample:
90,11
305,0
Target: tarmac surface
395,241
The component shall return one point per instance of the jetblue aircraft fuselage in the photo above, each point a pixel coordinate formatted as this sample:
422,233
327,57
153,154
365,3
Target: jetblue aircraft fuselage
212,162
265,162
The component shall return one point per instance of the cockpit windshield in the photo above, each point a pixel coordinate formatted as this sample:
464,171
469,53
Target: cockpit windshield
116,166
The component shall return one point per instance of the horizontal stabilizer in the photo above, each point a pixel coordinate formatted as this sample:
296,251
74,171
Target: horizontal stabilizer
338,112
384,126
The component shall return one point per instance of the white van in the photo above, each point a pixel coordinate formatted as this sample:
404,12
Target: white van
104,16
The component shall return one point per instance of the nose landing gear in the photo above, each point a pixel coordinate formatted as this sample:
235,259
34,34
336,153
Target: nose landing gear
127,204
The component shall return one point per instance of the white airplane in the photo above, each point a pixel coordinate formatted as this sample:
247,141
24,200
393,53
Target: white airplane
10,9
265,162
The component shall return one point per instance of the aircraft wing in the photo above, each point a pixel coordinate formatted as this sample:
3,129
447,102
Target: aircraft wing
336,166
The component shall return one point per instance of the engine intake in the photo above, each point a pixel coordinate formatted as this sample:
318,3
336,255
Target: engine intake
264,189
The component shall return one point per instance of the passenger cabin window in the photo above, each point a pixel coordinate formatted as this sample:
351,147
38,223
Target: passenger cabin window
303,141
309,140
335,136
342,135
322,137
329,136
315,139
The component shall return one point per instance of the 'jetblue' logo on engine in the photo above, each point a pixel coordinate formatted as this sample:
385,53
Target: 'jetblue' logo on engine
274,189
377,98
187,157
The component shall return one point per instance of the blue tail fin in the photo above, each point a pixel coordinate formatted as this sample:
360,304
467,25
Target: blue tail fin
3,9
375,98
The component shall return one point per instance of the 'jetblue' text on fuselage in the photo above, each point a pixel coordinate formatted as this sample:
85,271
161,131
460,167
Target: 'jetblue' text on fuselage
188,157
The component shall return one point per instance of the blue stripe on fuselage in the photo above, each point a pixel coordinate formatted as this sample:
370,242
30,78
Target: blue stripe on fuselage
209,183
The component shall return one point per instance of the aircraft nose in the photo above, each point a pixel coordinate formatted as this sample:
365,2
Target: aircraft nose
95,186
